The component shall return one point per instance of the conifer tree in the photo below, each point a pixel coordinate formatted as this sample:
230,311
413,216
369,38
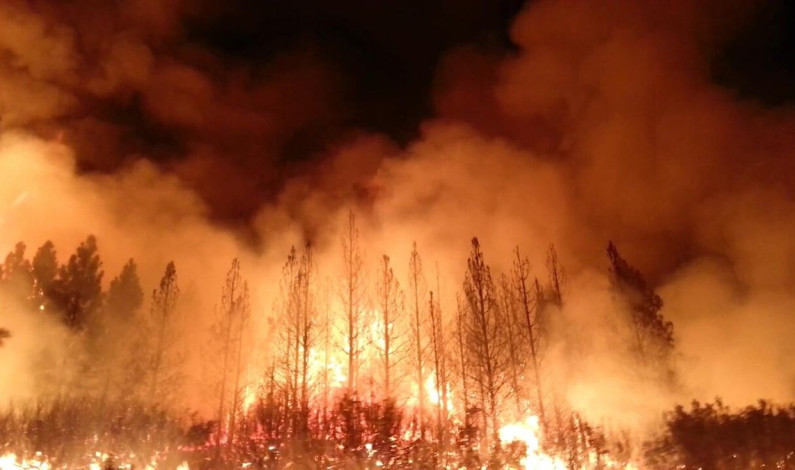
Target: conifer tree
229,333
16,274
125,295
353,290
529,312
160,335
486,338
390,341
653,341
45,270
78,287
417,290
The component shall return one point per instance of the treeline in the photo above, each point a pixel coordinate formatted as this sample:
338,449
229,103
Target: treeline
369,368
711,436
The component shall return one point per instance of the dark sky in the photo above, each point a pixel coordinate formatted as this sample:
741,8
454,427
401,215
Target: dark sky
386,51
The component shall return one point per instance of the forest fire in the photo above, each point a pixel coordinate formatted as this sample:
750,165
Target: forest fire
542,235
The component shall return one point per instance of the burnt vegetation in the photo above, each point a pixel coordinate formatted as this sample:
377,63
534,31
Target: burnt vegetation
388,376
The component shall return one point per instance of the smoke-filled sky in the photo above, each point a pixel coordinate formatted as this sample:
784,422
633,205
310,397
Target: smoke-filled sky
202,130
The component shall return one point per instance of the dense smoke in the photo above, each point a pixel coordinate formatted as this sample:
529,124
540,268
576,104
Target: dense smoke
603,125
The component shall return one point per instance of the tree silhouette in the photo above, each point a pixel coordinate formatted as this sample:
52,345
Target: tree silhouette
4,335
116,333
529,312
45,270
297,312
417,290
653,335
486,339
353,287
232,321
389,342
125,295
16,273
78,287
161,336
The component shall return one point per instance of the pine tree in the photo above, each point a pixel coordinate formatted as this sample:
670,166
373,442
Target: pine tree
653,341
17,274
229,332
417,289
116,333
297,312
125,295
390,341
485,337
439,353
515,365
45,269
352,294
78,287
160,335
306,338
529,312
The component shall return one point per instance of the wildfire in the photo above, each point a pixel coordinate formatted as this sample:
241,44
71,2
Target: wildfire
10,461
434,397
250,394
330,367
527,433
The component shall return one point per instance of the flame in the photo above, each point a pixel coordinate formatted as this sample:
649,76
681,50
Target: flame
10,462
250,394
433,395
527,433
331,368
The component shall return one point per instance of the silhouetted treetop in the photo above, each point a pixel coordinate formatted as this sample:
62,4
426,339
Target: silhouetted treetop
654,334
125,295
79,285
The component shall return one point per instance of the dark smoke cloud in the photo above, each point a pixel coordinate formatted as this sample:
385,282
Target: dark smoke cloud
233,97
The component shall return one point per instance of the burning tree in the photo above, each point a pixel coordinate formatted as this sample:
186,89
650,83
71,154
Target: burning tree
298,334
439,353
529,312
160,336
232,320
352,294
487,346
417,291
389,341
